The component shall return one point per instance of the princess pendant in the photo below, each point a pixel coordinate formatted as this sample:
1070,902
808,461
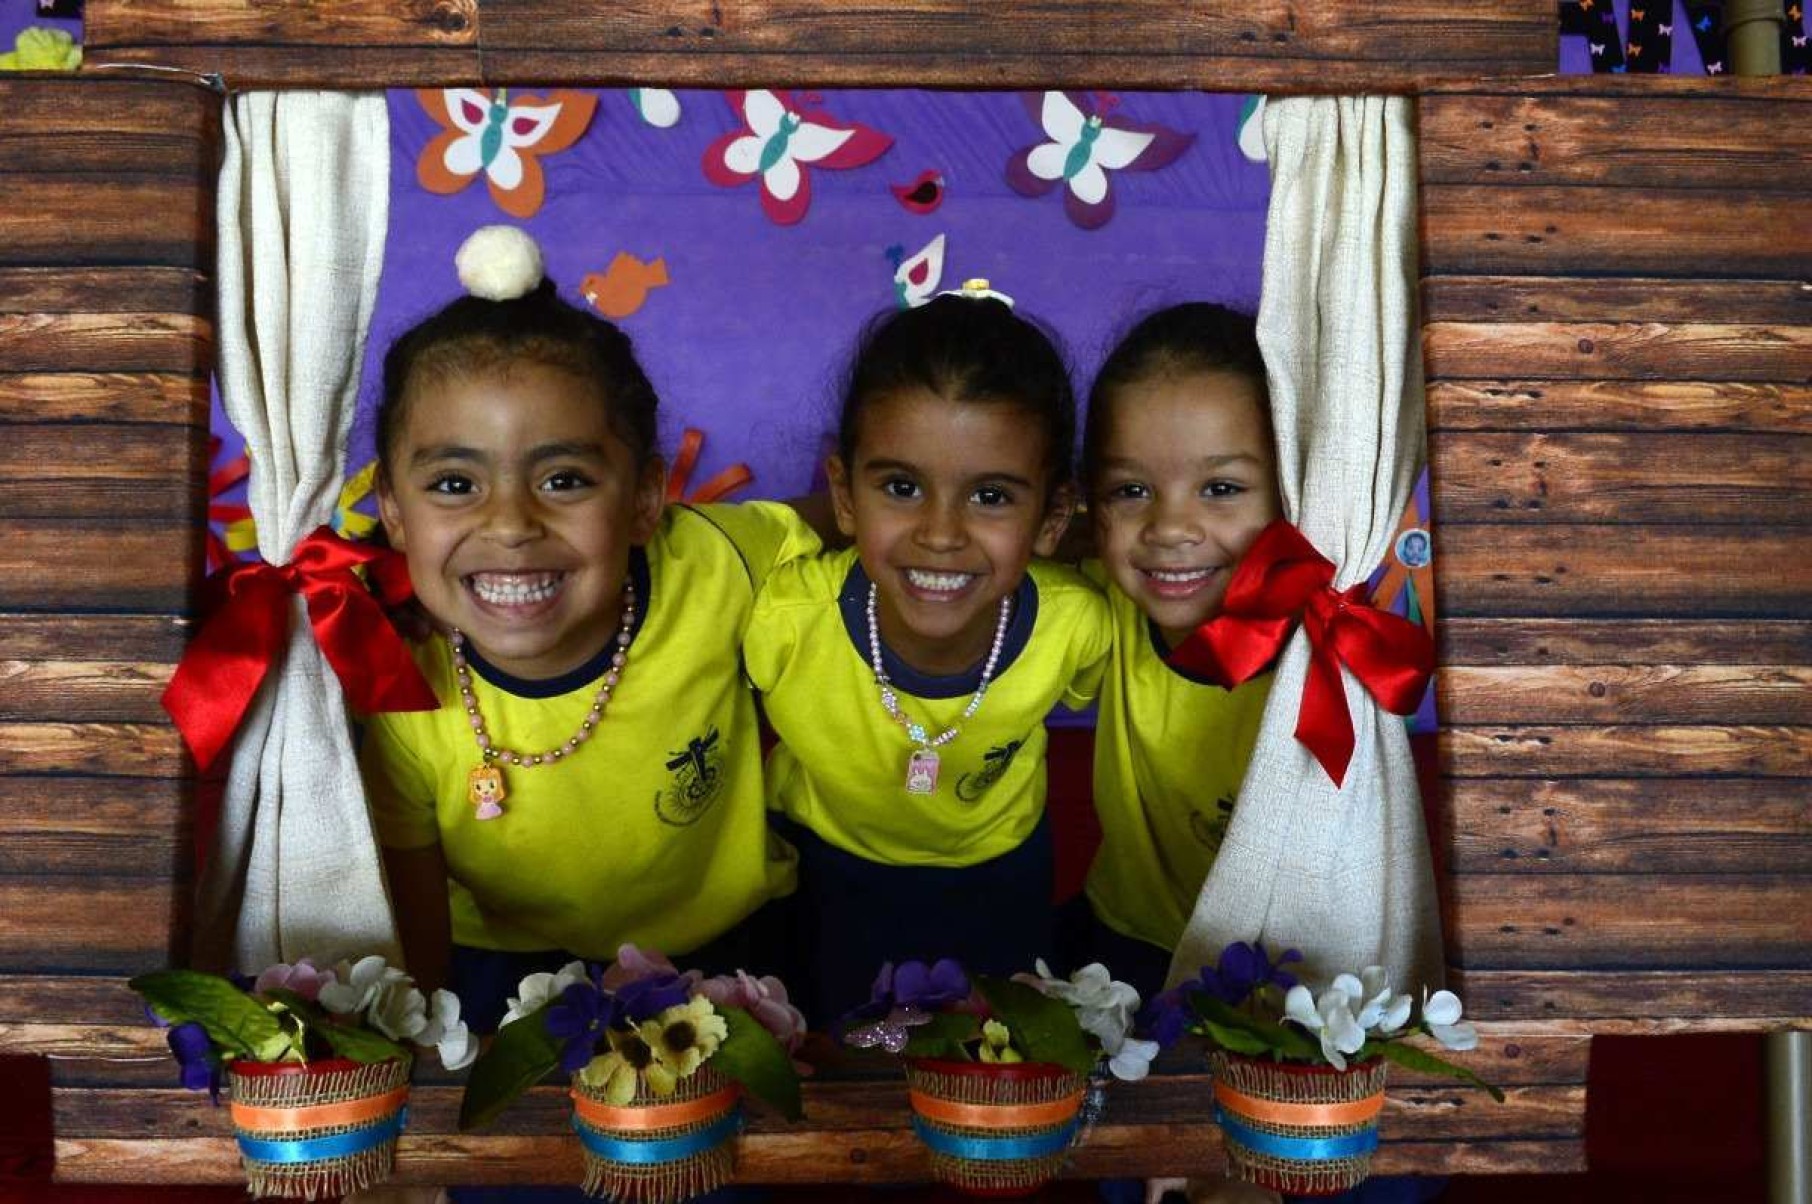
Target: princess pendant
484,790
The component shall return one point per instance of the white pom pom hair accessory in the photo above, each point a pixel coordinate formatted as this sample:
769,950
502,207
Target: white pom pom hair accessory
978,290
499,263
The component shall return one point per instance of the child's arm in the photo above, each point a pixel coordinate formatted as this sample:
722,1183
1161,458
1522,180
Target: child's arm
418,894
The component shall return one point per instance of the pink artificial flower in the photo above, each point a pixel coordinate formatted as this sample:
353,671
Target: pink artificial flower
764,998
633,965
304,978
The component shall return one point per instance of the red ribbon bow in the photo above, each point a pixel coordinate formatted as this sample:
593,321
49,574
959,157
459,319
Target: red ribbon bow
1283,579
247,625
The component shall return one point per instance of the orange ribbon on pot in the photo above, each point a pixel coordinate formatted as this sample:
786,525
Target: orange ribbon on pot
248,612
1283,580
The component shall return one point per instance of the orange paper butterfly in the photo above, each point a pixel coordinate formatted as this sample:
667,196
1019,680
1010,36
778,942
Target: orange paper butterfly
500,139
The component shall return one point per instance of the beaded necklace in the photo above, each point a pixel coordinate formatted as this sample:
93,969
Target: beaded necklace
484,784
922,765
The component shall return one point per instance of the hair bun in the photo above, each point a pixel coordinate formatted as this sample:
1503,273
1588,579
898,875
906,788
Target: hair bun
499,263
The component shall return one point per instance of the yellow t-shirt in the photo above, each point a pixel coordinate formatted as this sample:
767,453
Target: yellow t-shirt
655,830
840,768
1170,754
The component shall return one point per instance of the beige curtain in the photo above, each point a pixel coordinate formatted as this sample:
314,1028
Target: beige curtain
1342,874
303,205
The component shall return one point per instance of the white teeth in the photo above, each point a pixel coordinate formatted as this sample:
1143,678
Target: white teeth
942,583
515,589
1179,576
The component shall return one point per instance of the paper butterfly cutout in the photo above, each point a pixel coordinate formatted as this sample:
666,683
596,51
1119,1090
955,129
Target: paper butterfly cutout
659,107
1084,147
777,145
499,139
915,279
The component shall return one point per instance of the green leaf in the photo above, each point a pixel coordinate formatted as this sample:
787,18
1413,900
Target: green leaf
521,1055
238,1024
1418,1059
1237,1040
755,1058
1274,1037
343,1039
1044,1029
946,1036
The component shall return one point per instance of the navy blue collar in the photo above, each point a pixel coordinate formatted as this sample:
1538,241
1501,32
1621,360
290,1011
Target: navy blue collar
592,669
1157,647
853,602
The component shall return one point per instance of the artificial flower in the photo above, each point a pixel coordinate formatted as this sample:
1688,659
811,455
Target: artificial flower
889,1032
683,1037
448,1034
1442,1013
303,978
537,989
195,1058
1242,970
1103,1007
356,985
628,1061
397,1009
997,1044
583,1014
632,964
1379,1008
1329,1018
1131,1061
764,998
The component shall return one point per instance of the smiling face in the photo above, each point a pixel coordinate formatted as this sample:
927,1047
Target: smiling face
1187,479
516,506
947,502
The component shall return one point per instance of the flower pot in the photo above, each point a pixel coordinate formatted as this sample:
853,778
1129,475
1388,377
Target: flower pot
994,1129
659,1149
319,1130
1297,1129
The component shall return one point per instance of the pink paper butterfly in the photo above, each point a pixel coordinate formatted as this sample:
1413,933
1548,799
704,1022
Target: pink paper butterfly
778,143
1084,147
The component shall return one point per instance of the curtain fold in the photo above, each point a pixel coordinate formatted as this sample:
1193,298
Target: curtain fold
303,208
1341,873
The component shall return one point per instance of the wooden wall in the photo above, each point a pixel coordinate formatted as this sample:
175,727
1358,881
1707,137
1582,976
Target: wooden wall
1620,356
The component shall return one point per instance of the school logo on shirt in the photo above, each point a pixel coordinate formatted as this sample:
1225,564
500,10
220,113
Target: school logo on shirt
972,786
698,778
1210,830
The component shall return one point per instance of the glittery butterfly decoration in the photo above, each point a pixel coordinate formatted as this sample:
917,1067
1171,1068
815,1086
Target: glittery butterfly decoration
1084,146
778,144
500,139
889,1032
916,277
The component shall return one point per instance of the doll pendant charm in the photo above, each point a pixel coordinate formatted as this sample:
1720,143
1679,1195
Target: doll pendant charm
921,772
484,788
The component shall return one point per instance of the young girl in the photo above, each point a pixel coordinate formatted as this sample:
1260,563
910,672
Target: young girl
1180,467
909,676
593,774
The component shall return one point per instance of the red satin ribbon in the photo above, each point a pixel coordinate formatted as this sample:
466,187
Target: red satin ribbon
248,611
1281,580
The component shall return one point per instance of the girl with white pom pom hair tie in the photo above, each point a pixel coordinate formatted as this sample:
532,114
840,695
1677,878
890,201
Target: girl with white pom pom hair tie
592,777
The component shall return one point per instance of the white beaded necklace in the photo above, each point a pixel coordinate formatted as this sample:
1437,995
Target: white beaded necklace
484,784
922,765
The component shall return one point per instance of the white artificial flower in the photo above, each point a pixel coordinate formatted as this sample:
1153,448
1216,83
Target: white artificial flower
1103,1006
1330,1018
355,986
499,263
398,1010
1132,1060
448,1033
540,988
1442,1012
1382,1010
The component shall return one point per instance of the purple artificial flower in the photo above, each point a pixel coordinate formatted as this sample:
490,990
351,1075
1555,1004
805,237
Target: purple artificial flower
1242,969
195,1055
579,1020
646,998
911,986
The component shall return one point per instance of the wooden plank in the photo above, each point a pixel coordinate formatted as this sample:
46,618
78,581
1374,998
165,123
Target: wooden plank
116,397
1539,231
1618,351
302,65
1581,570
1716,1000
102,471
114,828
61,925
1705,140
1630,826
75,564
104,290
1634,921
1770,302
99,1000
1616,641
1537,751
85,691
104,638
110,219
1623,478
1616,405
136,750
320,23
109,127
1591,694
135,342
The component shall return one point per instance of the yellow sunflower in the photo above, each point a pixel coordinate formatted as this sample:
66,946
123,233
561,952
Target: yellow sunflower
682,1037
630,1060
997,1044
